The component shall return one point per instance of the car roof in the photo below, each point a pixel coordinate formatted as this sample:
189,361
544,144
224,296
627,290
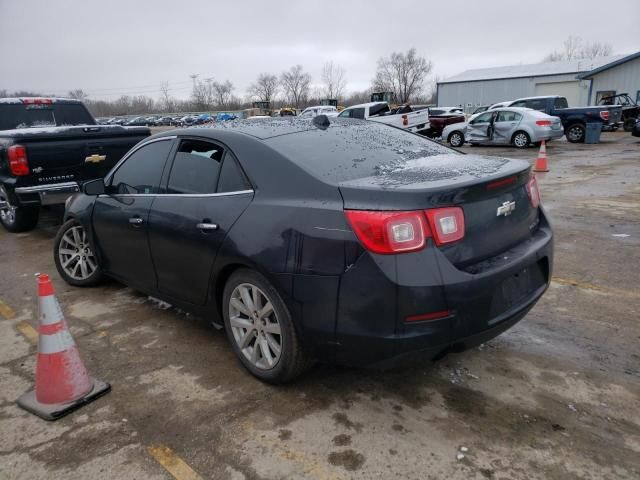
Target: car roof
52,99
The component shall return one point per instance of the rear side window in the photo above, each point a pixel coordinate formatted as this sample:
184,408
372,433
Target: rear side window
506,116
232,179
141,172
18,115
359,113
374,110
560,102
196,168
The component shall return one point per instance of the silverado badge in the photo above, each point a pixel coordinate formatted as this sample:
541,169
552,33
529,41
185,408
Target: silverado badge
506,209
95,158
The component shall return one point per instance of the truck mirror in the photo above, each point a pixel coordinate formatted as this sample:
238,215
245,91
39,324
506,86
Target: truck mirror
94,187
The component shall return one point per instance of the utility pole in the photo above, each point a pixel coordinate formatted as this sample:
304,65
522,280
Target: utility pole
193,77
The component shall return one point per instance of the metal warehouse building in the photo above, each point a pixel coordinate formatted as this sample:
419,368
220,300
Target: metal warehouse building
620,76
485,86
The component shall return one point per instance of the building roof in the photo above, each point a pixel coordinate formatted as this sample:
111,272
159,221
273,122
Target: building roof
533,70
609,65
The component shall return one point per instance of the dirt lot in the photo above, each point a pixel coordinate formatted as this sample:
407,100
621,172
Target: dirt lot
556,397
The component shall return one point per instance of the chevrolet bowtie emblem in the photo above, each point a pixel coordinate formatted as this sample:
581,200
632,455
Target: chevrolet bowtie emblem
506,209
95,158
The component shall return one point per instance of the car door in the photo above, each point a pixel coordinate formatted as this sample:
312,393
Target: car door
120,217
505,126
477,129
206,193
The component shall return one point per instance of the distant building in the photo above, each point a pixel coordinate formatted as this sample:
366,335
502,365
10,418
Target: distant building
486,86
620,76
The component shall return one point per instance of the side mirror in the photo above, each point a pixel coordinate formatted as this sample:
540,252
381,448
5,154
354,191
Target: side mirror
94,187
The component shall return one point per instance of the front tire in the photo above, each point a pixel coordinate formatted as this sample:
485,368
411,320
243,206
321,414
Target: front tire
575,133
75,257
521,140
17,219
260,328
456,139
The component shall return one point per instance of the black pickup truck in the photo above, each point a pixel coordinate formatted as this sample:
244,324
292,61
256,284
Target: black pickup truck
574,120
48,148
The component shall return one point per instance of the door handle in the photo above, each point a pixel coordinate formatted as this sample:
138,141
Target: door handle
207,226
135,221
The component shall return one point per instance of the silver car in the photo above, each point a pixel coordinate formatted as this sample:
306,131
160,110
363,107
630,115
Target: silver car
519,127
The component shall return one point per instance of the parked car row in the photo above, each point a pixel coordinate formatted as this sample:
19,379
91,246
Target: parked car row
182,120
527,121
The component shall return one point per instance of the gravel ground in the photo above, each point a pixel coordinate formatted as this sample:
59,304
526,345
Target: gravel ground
556,397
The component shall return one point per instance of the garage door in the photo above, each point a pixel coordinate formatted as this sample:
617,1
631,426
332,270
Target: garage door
571,90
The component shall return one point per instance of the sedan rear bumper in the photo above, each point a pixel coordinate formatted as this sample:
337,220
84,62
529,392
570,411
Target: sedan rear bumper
481,303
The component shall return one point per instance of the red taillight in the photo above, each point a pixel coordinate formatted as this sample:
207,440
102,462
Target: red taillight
18,163
406,231
389,232
36,101
543,123
503,182
534,192
604,115
405,120
447,224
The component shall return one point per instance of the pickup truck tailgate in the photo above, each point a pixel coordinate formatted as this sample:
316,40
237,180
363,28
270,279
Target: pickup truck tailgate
75,153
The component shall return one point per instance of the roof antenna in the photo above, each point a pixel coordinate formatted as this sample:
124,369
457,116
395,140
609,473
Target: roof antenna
321,121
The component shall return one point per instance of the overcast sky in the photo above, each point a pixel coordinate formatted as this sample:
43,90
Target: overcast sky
114,47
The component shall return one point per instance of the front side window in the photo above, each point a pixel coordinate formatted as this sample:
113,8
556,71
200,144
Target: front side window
484,118
345,114
358,113
140,173
196,168
521,103
560,102
536,104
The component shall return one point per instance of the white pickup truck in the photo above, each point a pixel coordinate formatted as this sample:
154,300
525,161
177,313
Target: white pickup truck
403,117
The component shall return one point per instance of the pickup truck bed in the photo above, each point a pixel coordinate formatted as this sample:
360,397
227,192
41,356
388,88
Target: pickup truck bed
45,165
404,117
437,123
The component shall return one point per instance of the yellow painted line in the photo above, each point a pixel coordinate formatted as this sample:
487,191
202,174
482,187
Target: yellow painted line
595,288
28,331
6,311
172,463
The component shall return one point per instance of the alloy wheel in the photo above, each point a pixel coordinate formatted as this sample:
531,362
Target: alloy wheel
7,211
75,254
255,326
575,133
456,140
520,140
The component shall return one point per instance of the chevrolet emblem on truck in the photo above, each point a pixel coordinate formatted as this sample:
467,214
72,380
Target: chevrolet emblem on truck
506,209
95,158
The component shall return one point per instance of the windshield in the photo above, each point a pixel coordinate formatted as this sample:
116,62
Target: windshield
18,115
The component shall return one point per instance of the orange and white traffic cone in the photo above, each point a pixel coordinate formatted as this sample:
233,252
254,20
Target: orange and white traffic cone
541,161
62,381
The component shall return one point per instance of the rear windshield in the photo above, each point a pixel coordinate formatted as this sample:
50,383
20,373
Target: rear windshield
17,115
349,149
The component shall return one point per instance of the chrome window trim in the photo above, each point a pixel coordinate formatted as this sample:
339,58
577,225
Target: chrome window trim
48,187
183,195
107,178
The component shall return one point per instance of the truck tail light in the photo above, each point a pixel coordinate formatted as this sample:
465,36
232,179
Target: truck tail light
604,115
18,164
405,120
406,231
36,101
534,192
543,123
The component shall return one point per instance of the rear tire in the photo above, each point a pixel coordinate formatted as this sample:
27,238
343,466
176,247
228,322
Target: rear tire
17,219
456,139
521,140
629,124
75,257
267,344
575,133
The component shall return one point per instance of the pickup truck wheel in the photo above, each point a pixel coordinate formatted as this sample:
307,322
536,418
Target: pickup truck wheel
629,124
521,140
456,139
575,133
260,328
74,256
16,219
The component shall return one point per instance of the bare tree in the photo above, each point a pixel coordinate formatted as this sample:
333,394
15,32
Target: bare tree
403,74
295,84
265,87
77,93
222,92
165,97
201,96
575,49
333,80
